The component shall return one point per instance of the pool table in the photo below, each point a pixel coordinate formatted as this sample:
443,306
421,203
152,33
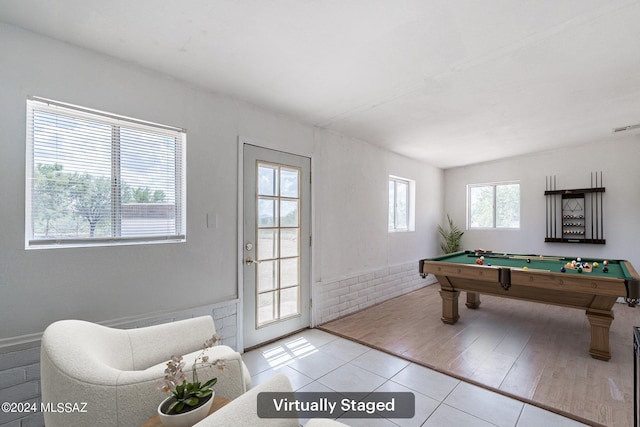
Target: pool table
537,278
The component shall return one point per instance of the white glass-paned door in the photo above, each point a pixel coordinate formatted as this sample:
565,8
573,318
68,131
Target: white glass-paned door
277,240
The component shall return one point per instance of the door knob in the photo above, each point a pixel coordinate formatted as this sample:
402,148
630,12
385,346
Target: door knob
250,261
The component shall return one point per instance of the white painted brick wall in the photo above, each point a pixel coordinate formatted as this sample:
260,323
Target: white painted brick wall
20,383
20,365
348,295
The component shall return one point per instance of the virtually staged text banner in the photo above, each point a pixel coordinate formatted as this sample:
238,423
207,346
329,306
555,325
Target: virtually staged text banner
336,405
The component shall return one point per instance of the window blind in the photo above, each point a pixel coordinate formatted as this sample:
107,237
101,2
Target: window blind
96,178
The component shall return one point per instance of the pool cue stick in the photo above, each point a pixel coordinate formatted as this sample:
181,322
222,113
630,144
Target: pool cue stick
598,203
537,257
596,219
488,255
592,196
601,209
555,226
507,256
550,212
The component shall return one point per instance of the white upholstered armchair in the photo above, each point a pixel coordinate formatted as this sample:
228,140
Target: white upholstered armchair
117,371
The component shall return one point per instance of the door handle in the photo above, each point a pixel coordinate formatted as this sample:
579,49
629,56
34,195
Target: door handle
250,261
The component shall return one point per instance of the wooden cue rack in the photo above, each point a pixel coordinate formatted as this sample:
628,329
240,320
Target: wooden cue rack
575,215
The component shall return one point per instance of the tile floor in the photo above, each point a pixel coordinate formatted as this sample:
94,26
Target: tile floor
316,361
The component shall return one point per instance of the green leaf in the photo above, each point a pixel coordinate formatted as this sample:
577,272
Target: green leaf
203,393
452,237
209,383
192,401
175,407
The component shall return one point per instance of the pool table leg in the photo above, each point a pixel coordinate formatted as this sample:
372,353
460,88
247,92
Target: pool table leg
600,325
449,306
473,300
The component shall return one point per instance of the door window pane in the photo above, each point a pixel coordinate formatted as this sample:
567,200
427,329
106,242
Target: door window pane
267,180
289,213
289,300
267,276
267,308
267,243
289,272
289,183
289,242
267,212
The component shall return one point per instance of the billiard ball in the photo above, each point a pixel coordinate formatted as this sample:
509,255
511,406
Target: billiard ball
479,261
528,260
488,265
482,257
605,270
605,262
579,259
579,269
595,264
562,270
525,268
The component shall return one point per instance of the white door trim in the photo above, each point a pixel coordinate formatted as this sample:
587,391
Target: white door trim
242,140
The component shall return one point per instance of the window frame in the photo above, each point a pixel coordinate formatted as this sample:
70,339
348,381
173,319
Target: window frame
494,186
115,121
410,197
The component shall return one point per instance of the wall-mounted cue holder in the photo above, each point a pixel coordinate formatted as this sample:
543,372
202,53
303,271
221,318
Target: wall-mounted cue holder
575,215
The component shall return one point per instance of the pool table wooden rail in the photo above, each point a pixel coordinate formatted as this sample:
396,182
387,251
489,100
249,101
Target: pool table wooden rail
596,294
531,278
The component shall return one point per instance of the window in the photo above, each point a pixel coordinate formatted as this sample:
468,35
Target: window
98,179
494,205
401,210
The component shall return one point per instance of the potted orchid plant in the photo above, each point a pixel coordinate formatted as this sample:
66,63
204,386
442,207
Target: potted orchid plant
188,397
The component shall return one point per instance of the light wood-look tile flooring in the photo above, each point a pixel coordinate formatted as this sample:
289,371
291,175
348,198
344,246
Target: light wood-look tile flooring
535,352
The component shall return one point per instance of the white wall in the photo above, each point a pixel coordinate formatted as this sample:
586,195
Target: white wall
617,159
38,287
354,187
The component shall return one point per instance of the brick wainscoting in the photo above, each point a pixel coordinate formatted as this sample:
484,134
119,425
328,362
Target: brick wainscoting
347,295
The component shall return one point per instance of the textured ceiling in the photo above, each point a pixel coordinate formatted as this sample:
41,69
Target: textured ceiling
448,82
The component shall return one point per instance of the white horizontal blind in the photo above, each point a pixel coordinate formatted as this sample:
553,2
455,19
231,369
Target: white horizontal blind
95,178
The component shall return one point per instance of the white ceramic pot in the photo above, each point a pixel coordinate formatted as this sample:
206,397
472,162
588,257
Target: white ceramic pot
186,419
